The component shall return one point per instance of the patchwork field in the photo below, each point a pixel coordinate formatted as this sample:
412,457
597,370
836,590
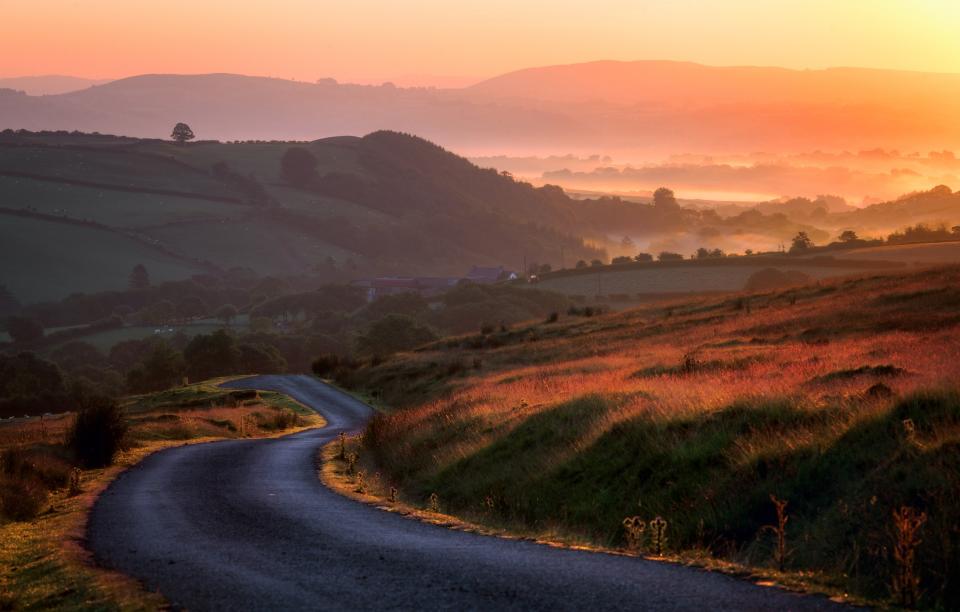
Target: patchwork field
839,397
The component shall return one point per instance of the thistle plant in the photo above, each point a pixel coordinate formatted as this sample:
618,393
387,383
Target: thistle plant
658,535
634,527
433,503
361,487
905,584
393,495
779,530
352,459
343,445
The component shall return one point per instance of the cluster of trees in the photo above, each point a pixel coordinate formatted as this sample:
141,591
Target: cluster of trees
286,333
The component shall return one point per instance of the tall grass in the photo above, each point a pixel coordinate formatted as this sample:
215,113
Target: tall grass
839,397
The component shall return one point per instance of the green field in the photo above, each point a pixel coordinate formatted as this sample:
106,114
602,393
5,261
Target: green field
199,226
114,208
111,167
47,260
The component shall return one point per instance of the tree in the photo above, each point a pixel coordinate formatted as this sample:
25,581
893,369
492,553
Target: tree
162,369
227,313
622,259
703,253
182,133
581,264
209,355
139,277
394,333
76,355
595,263
643,257
27,375
261,359
24,329
669,256
848,236
299,167
801,242
663,199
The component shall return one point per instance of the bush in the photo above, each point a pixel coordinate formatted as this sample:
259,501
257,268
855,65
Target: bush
284,419
98,433
21,499
323,365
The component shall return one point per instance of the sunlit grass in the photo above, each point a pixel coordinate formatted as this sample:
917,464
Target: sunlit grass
700,409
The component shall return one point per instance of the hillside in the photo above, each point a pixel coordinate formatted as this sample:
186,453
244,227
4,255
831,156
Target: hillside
839,397
48,84
648,106
84,209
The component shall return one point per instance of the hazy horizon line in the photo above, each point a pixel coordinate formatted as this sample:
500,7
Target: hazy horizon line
469,79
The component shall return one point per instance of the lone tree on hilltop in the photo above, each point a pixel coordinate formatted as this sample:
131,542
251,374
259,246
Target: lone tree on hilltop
182,133
848,236
139,278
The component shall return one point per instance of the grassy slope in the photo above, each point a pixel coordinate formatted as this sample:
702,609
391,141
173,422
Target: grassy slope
43,563
697,412
43,260
223,233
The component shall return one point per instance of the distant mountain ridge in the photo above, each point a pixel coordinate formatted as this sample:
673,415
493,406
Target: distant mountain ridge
599,106
48,84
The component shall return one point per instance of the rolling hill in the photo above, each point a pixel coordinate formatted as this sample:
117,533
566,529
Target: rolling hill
84,209
648,106
48,84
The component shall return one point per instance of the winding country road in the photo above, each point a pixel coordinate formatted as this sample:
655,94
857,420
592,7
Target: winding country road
246,525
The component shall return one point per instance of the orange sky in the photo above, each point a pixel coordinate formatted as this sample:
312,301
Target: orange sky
420,40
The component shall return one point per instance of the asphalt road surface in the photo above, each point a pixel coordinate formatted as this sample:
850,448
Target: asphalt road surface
247,525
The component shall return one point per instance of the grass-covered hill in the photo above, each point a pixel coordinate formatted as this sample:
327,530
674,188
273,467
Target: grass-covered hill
78,211
839,397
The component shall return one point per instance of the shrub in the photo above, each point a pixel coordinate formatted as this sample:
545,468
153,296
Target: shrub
325,364
284,419
21,499
98,433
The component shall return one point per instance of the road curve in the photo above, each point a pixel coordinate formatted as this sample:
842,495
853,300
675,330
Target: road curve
246,525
